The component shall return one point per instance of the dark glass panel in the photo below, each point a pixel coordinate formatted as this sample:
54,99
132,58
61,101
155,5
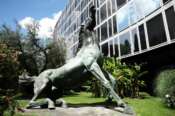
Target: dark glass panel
97,3
111,48
135,40
125,44
101,1
103,14
104,34
110,27
165,1
114,8
114,24
156,30
109,8
116,47
120,3
104,48
98,34
170,15
142,37
98,17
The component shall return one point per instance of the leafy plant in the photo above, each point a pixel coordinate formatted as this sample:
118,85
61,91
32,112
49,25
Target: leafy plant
9,104
127,76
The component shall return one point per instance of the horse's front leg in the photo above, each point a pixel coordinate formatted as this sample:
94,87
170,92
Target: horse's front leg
97,72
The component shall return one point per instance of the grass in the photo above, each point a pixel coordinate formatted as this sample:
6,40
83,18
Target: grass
149,106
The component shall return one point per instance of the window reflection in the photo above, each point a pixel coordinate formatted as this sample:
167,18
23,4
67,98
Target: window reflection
156,30
123,18
116,47
132,13
135,40
125,44
145,7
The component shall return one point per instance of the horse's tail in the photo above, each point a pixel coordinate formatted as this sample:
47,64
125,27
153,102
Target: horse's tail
26,80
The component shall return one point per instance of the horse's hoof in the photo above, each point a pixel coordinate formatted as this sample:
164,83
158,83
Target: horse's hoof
28,107
51,108
123,105
128,110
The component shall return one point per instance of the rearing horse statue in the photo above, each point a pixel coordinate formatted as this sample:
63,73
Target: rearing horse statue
77,69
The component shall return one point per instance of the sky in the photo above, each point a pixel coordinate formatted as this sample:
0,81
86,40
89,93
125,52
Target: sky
46,12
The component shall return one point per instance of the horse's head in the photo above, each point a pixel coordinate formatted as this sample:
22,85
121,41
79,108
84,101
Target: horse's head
87,36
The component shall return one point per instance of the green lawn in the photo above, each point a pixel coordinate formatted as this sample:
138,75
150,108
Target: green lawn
150,106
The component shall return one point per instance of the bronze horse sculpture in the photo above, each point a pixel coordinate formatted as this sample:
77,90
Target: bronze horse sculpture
77,69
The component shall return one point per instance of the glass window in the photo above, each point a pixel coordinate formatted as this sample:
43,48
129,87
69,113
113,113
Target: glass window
132,13
145,7
98,33
104,34
111,48
114,24
125,44
156,30
82,4
104,48
123,18
170,15
103,14
135,40
98,17
120,3
113,6
110,27
116,47
109,8
142,37
101,1
97,3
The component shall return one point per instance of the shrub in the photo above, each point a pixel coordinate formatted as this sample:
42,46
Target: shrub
165,83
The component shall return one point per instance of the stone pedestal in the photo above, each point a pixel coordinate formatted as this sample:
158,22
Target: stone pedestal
82,111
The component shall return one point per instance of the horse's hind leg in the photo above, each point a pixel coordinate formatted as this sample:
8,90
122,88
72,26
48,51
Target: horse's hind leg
39,86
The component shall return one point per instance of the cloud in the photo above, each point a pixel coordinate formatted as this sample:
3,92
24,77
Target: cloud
26,21
46,24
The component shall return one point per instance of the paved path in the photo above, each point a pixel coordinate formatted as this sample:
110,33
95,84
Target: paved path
82,111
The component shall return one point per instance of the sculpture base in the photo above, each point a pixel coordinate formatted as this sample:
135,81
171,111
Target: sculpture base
81,111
